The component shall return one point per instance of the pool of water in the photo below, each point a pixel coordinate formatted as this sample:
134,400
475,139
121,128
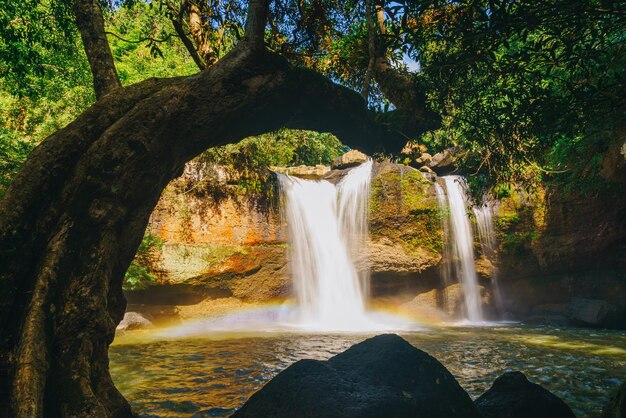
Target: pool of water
213,375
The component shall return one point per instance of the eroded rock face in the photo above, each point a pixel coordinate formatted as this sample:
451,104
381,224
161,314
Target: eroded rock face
590,312
554,247
229,247
513,396
383,376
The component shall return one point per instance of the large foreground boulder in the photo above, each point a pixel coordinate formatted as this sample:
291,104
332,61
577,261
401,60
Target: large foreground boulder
616,408
513,396
383,376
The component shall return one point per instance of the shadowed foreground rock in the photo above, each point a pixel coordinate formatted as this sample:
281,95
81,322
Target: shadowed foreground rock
383,376
513,396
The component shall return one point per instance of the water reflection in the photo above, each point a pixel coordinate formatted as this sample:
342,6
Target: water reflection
213,376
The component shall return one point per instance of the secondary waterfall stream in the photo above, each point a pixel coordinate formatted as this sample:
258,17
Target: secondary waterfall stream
487,237
327,227
459,250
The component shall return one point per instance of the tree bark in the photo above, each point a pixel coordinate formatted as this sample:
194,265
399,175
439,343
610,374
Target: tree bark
75,215
196,26
91,26
255,23
371,48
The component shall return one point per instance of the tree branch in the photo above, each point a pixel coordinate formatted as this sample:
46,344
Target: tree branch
138,41
255,24
402,89
197,31
371,37
178,27
91,26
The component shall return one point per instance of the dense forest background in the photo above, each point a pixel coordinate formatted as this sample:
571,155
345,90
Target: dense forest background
527,92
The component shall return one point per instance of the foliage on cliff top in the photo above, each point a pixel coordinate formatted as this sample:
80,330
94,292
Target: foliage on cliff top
284,148
143,271
245,164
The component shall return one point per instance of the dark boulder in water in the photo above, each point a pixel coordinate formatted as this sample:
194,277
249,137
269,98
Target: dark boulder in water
616,408
383,376
513,396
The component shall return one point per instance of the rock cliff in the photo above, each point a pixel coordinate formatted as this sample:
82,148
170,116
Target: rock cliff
220,241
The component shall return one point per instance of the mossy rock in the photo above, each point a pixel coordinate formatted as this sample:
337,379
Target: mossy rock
403,208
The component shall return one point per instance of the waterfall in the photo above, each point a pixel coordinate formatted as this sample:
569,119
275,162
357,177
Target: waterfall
354,191
327,226
460,246
487,237
447,256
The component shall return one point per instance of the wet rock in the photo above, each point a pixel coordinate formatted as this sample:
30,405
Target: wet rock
404,220
412,152
155,313
513,396
450,300
413,149
383,376
616,407
133,320
613,165
547,313
387,256
427,170
443,162
349,159
484,267
425,158
304,171
587,312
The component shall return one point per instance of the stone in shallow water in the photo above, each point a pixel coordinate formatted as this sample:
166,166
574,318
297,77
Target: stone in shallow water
383,376
513,396
133,320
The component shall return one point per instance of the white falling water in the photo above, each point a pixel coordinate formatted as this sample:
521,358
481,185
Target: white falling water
354,191
327,226
487,237
462,246
447,256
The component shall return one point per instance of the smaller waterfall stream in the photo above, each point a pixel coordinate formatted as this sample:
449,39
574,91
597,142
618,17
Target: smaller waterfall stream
461,246
327,225
487,237
447,256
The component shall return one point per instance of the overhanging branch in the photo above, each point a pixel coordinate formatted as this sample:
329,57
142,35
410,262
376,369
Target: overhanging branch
91,26
255,24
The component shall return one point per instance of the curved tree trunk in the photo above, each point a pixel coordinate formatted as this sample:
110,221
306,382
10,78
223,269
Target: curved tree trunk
73,218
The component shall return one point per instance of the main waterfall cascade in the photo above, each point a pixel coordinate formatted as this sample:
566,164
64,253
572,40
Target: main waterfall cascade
327,227
458,250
